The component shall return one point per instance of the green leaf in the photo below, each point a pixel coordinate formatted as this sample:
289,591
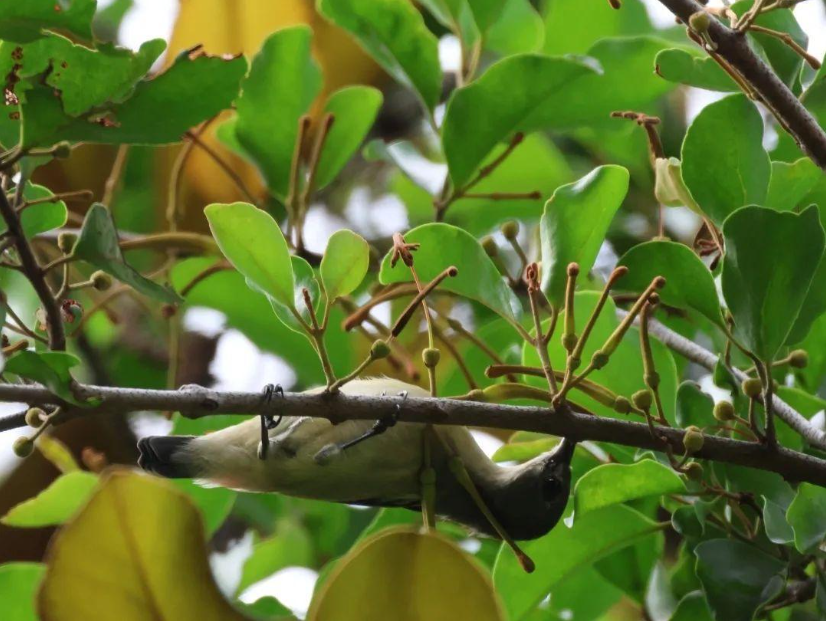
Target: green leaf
428,565
724,163
692,607
791,182
805,516
684,67
737,578
344,264
524,451
290,545
18,587
617,483
159,111
570,30
689,283
57,453
144,540
562,552
43,216
213,503
99,246
55,504
393,32
355,110
50,368
305,278
485,12
771,258
694,407
574,225
252,241
518,30
517,94
282,83
25,21
443,246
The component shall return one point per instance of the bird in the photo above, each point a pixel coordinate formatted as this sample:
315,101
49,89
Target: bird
360,462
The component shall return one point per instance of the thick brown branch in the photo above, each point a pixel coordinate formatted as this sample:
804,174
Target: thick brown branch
733,46
336,408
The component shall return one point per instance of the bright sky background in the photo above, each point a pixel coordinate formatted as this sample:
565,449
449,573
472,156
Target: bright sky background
293,586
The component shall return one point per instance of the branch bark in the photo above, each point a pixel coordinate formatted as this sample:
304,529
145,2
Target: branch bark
200,402
733,46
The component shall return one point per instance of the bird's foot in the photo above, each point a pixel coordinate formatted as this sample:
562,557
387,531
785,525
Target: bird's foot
268,421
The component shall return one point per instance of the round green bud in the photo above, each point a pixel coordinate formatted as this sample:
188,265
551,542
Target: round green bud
798,359
23,446
599,359
431,357
724,411
66,242
569,341
642,399
652,380
510,229
699,21
694,471
35,417
380,349
62,150
693,439
101,281
752,388
622,405
490,246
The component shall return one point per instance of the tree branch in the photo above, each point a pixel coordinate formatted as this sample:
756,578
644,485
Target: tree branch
733,46
200,402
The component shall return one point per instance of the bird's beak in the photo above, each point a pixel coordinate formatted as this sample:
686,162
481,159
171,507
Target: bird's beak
565,450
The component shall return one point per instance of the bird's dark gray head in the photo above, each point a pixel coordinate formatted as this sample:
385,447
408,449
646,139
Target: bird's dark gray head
530,501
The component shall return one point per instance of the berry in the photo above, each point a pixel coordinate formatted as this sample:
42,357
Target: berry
23,446
379,350
699,21
724,411
694,471
642,399
693,439
798,359
66,242
490,247
510,229
101,280
431,357
34,417
622,405
752,388
62,150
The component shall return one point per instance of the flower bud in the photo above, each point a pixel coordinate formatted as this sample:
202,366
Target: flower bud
798,359
62,150
510,229
699,21
101,280
724,411
693,439
752,388
380,349
622,405
66,242
431,357
490,246
569,342
599,359
35,417
694,471
23,446
642,399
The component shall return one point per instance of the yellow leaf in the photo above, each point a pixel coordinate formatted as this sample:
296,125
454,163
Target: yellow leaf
404,575
136,552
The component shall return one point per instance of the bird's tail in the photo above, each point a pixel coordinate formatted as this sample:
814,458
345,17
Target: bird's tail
164,456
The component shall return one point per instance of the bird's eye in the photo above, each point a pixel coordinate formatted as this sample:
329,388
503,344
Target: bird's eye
551,489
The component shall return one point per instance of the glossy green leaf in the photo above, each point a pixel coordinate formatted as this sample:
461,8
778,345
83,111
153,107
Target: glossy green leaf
355,110
344,264
290,545
443,246
99,246
253,242
524,451
689,283
698,70
725,166
18,586
144,540
574,225
518,30
55,504
395,35
25,21
159,111
736,577
771,258
791,182
41,217
402,569
562,552
778,529
570,30
694,407
517,94
485,12
692,607
617,483
805,516
304,278
282,83
50,368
